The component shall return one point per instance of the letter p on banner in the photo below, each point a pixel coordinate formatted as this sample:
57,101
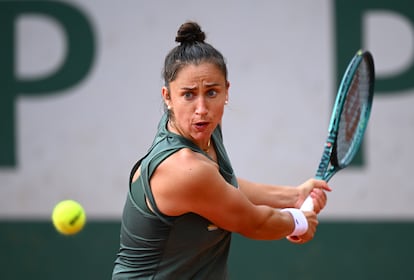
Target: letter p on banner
351,34
76,65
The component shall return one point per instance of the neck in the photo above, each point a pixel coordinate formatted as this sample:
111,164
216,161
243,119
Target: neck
208,146
172,128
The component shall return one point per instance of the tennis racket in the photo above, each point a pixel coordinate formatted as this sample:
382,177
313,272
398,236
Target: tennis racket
349,118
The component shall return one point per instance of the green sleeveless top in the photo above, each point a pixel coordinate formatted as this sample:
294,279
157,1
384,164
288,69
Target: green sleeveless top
156,246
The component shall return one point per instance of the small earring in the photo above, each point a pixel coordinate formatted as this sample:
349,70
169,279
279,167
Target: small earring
226,102
168,107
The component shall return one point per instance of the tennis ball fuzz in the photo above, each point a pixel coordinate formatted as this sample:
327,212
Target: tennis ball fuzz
68,217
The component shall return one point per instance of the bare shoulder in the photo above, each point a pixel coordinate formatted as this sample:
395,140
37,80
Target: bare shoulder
181,178
186,165
186,158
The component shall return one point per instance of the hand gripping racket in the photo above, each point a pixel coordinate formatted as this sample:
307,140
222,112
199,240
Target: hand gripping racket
349,118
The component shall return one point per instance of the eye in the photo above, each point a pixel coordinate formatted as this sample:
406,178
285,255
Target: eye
188,95
212,93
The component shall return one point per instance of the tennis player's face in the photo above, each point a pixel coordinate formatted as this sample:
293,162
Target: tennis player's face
197,97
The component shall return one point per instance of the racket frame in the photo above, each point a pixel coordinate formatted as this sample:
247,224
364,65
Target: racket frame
329,163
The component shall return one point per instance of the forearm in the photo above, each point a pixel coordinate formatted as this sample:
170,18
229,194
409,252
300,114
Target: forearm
270,224
270,195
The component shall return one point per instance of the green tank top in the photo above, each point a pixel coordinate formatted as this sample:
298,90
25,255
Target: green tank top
156,246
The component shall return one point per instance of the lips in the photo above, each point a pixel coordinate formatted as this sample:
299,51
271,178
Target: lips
201,125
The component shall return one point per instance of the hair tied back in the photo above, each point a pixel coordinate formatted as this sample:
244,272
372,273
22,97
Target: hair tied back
190,32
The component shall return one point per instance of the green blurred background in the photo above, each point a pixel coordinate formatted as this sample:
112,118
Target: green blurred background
341,251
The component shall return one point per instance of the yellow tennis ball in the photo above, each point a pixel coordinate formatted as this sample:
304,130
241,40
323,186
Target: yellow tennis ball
68,217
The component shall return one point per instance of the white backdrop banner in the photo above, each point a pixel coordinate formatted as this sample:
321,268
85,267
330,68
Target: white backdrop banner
81,98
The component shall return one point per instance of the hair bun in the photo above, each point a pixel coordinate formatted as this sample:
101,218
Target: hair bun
190,32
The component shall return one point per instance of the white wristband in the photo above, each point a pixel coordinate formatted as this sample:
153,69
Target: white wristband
301,223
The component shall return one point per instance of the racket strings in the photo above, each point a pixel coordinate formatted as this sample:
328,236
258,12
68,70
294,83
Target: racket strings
352,109
353,113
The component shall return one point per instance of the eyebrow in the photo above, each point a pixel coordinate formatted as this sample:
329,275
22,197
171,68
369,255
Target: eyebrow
208,85
188,88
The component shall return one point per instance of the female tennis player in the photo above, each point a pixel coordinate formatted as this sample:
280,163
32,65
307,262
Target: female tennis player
184,199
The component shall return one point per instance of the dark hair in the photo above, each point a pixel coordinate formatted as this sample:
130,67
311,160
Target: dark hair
192,50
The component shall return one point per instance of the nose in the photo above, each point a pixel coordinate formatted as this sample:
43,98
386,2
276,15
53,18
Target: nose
201,106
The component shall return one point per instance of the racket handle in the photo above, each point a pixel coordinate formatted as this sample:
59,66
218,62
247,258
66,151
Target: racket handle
307,204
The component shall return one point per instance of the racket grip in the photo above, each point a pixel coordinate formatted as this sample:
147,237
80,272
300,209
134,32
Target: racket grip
307,204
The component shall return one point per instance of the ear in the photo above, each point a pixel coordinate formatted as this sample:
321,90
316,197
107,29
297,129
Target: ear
227,90
166,96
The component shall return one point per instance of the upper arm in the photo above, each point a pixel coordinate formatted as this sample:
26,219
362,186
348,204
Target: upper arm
189,182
